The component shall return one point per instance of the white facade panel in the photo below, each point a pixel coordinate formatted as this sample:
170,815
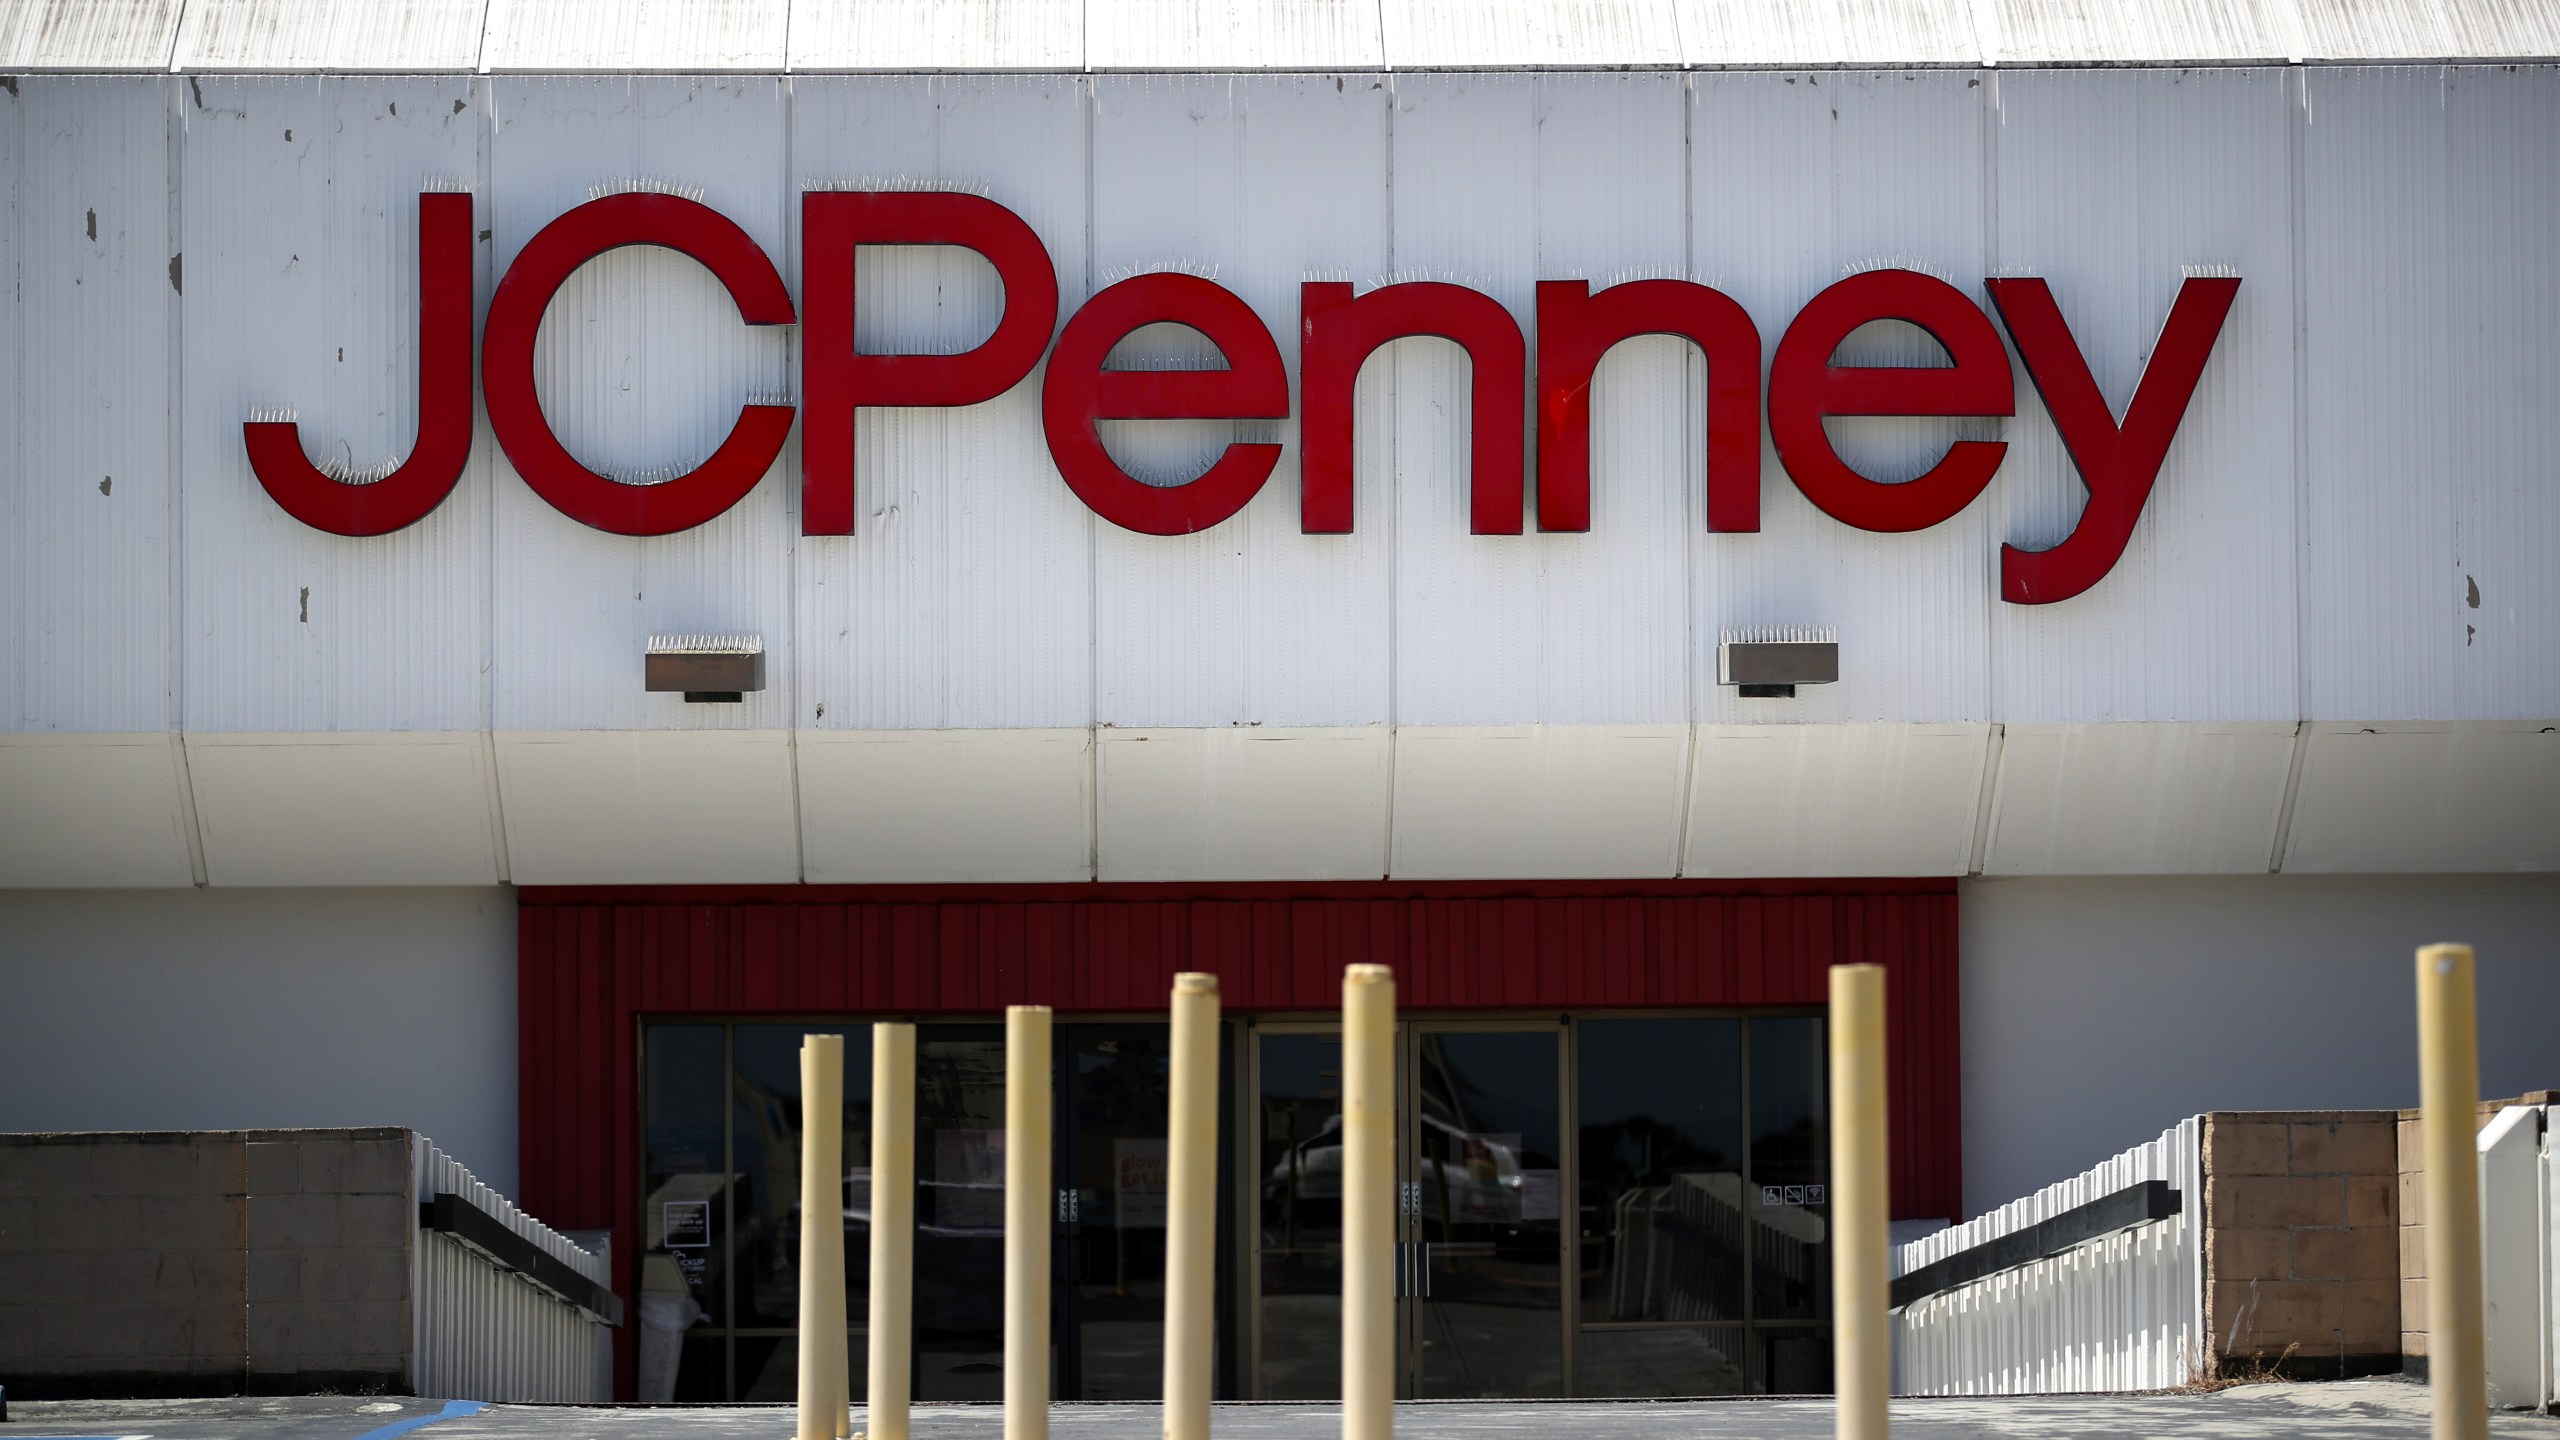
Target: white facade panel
11,452
2113,186
1243,803
608,35
1467,630
1234,35
963,599
2350,528
346,809
87,34
642,365
1534,628
2138,799
2094,1012
1569,802
313,1008
301,295
92,810
1526,34
13,679
2477,795
888,35
1772,800
397,35
1615,641
1796,182
89,537
2502,225
638,807
1738,33
1252,621
946,806
2382,582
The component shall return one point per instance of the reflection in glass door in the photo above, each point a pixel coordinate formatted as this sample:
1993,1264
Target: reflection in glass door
1113,1102
720,1197
1297,1213
1622,1207
1484,1311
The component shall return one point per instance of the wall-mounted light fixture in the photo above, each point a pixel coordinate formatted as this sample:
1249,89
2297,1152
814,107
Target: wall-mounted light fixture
709,669
1769,662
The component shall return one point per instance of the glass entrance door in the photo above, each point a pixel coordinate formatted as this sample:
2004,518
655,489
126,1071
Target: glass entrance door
1483,1145
1480,1226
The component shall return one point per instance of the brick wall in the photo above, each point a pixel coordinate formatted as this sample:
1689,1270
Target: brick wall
205,1263
2413,1224
2302,1252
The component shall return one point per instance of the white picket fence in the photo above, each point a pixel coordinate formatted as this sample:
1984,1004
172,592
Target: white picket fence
486,1333
2123,1311
2520,1253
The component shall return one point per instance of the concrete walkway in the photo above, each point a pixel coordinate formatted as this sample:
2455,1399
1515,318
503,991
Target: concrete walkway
2355,1410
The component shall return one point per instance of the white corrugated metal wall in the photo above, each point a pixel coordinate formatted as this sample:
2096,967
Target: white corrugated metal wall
2330,646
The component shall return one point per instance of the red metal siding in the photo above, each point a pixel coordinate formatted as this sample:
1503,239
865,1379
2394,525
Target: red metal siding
591,962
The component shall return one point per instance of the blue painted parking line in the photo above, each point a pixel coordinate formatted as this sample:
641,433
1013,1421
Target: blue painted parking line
452,1408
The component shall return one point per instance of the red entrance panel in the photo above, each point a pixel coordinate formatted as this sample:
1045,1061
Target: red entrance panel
592,961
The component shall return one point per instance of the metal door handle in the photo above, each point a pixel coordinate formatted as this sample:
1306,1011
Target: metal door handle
1413,1270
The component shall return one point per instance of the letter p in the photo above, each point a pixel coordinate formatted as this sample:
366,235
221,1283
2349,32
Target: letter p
837,380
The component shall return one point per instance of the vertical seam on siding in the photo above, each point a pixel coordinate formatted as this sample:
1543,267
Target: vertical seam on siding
483,443
1692,482
1395,580
1989,120
174,115
2297,199
792,243
1088,104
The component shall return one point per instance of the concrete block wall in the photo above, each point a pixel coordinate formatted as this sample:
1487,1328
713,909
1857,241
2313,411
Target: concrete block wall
206,1262
123,1262
2302,1247
2413,1223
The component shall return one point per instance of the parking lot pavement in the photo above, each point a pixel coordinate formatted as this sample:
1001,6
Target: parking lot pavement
2355,1410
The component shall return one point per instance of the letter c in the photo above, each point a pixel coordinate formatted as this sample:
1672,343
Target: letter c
515,317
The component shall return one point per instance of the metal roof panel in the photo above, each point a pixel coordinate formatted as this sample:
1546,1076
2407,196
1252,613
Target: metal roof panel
1745,33
937,35
1528,34
87,34
1235,35
325,35
609,35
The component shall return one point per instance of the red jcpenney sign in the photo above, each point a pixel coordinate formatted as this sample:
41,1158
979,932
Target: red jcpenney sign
1337,331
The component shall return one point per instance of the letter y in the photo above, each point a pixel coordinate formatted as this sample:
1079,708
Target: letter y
2117,463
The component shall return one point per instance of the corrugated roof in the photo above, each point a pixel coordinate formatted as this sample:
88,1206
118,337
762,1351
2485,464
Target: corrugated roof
1235,35
329,35
2100,32
1528,34
587,36
1726,33
937,35
592,36
87,34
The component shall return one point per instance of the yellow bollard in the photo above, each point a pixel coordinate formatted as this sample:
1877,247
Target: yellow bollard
1027,1202
821,1211
893,1226
1863,1331
1368,1203
1191,1208
2449,1102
